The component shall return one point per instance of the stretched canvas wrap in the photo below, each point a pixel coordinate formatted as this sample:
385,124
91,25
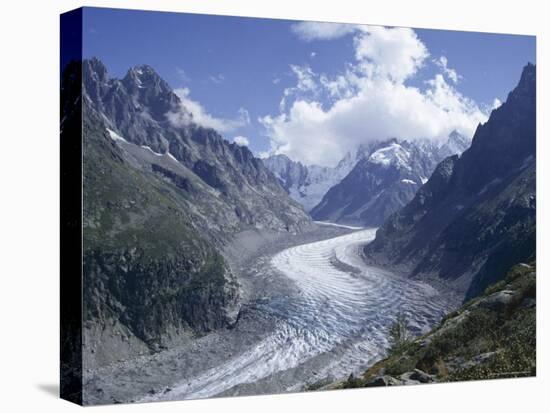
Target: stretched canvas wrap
255,206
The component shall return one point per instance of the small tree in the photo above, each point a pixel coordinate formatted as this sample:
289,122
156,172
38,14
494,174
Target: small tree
399,333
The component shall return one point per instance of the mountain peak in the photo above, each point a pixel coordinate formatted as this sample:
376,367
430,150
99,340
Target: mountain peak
455,144
528,76
142,72
95,69
145,77
529,72
455,135
525,91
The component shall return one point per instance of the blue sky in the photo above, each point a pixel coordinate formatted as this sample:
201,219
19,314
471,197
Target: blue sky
229,65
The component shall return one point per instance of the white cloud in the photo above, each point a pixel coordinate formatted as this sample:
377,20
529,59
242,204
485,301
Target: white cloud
450,73
241,141
369,101
263,154
310,31
305,84
244,116
496,103
192,111
305,77
396,52
217,79
313,54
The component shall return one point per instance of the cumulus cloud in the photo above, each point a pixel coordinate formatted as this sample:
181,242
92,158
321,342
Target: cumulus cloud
305,84
323,117
396,53
310,31
192,111
241,140
450,73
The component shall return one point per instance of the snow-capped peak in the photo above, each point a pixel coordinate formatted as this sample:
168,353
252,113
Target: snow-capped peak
394,154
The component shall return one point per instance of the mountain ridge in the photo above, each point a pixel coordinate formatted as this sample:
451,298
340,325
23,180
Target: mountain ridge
136,109
160,202
307,184
385,179
475,217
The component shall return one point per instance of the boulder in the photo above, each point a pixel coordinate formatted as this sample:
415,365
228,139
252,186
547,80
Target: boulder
416,377
382,381
497,301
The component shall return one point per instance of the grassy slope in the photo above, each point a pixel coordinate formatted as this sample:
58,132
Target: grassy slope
145,265
491,336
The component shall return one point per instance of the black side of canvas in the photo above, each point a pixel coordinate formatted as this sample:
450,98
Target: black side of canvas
71,207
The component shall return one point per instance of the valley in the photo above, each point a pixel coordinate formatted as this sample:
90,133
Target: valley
211,272
314,312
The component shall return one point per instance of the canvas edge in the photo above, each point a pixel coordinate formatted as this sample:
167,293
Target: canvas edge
71,220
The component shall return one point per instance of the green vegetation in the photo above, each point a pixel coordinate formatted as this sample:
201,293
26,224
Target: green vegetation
145,264
491,336
400,335
126,207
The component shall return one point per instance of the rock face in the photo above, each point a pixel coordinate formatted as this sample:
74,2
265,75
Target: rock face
161,196
233,188
307,184
476,215
385,179
150,276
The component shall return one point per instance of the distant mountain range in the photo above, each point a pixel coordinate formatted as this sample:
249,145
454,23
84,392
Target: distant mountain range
368,184
385,179
476,215
308,184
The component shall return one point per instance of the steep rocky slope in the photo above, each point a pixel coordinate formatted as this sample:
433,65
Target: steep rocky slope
384,179
491,336
233,188
160,200
149,276
476,215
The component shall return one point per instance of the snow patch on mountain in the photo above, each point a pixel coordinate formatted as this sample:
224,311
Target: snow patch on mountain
307,184
115,136
394,154
384,180
171,156
150,150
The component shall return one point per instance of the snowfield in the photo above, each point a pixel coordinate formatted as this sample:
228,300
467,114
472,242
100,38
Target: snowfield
393,154
340,318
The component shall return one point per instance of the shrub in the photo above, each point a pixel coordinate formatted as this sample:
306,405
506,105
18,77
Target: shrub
399,335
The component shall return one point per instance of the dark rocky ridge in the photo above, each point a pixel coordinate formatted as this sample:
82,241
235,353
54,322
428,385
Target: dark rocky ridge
143,109
158,206
476,216
149,276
